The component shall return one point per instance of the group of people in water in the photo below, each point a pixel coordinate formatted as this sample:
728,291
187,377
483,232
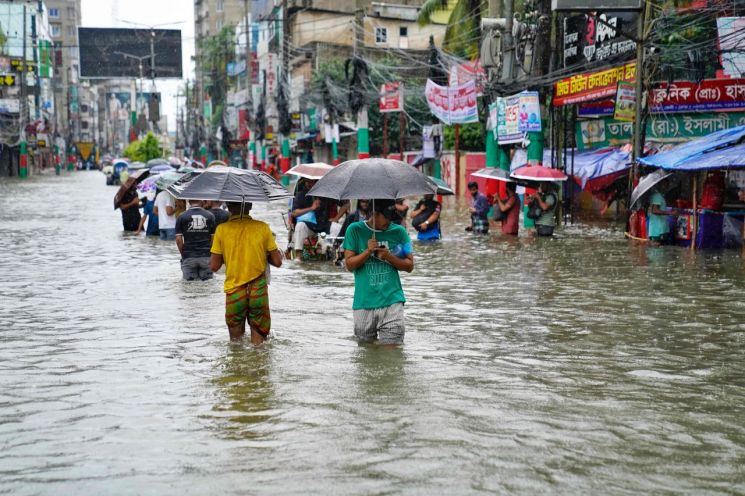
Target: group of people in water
373,236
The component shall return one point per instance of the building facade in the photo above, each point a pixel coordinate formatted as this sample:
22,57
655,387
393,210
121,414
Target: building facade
64,18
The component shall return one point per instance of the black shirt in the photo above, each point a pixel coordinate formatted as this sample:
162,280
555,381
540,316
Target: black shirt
197,226
322,214
430,207
220,215
131,216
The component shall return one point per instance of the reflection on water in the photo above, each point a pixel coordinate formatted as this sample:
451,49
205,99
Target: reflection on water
580,364
246,389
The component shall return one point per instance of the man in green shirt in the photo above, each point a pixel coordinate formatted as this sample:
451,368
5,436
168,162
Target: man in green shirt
378,296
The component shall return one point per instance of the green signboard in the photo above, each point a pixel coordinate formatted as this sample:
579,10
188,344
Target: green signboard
670,128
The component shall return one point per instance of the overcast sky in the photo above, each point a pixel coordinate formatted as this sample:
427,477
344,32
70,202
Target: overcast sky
167,14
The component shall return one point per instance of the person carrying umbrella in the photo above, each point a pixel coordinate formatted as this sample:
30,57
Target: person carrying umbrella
545,200
376,250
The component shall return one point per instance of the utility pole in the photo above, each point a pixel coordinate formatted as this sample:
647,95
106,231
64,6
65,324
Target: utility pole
638,128
23,156
251,158
363,133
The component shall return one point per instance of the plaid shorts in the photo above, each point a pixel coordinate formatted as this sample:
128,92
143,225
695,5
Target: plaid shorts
249,302
480,226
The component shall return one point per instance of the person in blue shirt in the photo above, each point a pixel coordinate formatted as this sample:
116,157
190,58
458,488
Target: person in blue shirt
149,214
658,229
479,210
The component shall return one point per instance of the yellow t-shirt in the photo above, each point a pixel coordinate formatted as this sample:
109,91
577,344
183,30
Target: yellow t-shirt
244,245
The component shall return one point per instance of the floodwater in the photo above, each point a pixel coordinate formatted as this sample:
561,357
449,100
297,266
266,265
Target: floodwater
575,365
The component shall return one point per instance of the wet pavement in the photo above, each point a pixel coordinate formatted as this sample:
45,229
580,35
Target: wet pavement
577,365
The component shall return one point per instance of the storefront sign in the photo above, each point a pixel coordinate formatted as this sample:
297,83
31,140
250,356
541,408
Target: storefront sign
597,109
452,105
660,128
391,97
718,95
625,102
592,85
595,37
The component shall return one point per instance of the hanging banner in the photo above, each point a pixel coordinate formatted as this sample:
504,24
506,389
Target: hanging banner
453,105
718,95
592,85
529,118
391,97
467,72
625,102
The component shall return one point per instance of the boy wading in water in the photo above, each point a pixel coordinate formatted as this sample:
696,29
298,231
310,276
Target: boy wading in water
245,246
378,296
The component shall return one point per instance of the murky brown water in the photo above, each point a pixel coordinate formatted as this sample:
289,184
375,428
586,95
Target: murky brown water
575,365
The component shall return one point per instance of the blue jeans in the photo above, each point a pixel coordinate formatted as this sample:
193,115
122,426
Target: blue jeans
168,234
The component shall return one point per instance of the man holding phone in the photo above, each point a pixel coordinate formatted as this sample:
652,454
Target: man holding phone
376,250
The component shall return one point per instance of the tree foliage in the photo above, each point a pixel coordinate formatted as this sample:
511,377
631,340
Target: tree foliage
143,150
463,32
216,53
471,137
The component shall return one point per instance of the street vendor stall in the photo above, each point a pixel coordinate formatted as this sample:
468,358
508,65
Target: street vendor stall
713,216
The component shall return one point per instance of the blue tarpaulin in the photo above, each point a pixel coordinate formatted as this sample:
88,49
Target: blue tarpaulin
588,165
719,150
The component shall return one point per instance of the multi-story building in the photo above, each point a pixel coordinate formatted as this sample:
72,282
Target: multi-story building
64,18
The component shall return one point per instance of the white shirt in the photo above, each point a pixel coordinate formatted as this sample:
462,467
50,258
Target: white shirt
163,200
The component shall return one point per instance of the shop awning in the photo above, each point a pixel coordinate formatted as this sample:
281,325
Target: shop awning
588,165
720,150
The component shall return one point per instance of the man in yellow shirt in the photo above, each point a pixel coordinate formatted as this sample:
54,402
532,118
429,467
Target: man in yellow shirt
245,245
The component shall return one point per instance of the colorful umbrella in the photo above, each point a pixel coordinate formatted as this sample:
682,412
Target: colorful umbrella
310,171
538,173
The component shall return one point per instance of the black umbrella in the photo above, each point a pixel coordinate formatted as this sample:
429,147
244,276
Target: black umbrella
378,178
230,184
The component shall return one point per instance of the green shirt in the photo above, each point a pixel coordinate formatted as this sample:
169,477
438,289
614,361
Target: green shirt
376,283
548,218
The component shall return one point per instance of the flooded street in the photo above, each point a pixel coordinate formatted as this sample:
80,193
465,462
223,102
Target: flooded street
577,365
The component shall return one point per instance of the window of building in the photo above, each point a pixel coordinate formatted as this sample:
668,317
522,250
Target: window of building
56,29
219,24
71,13
53,12
84,124
403,31
220,5
83,108
381,35
70,30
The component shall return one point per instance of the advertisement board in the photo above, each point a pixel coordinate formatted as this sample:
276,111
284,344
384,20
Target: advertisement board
116,53
598,36
391,97
625,102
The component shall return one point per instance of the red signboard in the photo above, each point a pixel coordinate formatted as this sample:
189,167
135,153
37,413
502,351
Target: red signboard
592,85
392,97
243,132
711,95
